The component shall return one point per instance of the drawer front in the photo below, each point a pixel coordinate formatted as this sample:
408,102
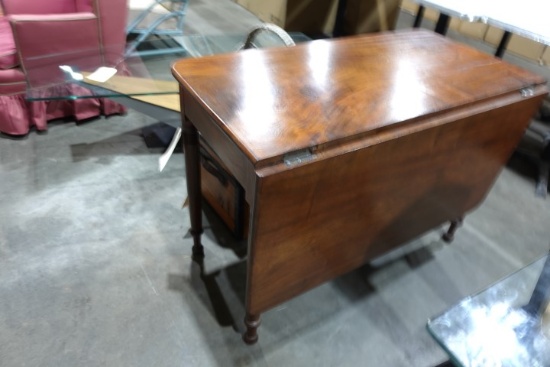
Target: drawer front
222,192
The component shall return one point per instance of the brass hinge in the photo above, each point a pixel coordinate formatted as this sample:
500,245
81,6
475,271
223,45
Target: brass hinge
298,157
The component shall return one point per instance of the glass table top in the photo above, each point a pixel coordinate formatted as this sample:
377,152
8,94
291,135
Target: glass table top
528,18
507,324
115,72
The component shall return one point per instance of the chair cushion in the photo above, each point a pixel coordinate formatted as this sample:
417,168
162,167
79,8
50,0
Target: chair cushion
8,53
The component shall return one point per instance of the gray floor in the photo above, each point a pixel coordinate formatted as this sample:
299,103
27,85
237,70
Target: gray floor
95,267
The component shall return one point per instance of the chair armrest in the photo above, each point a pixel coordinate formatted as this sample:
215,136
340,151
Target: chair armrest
44,42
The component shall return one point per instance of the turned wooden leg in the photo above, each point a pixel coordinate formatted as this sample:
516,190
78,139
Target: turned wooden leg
449,236
251,334
193,177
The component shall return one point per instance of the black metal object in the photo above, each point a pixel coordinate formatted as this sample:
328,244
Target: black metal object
503,44
419,16
158,135
442,25
338,30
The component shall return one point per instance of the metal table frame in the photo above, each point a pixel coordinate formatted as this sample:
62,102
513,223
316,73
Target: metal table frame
176,10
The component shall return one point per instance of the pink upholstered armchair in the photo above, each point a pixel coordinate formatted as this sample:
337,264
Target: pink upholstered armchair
36,37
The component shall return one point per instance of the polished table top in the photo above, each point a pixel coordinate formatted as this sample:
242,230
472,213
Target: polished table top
507,324
285,100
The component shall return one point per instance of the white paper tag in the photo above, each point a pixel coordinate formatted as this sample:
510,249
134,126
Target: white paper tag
102,74
163,160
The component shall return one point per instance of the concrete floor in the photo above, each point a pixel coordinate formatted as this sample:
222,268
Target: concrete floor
95,267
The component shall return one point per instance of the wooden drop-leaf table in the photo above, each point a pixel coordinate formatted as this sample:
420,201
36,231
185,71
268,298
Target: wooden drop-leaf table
349,148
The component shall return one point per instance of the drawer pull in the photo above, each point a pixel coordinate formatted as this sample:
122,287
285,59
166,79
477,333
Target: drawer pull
213,168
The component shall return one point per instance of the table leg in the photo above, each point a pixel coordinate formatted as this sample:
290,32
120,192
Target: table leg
193,178
442,25
252,323
449,236
338,30
503,44
419,17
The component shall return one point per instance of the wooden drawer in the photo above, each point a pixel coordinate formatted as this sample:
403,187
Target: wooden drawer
223,193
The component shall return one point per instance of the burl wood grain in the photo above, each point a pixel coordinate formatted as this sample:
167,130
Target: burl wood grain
407,131
286,99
